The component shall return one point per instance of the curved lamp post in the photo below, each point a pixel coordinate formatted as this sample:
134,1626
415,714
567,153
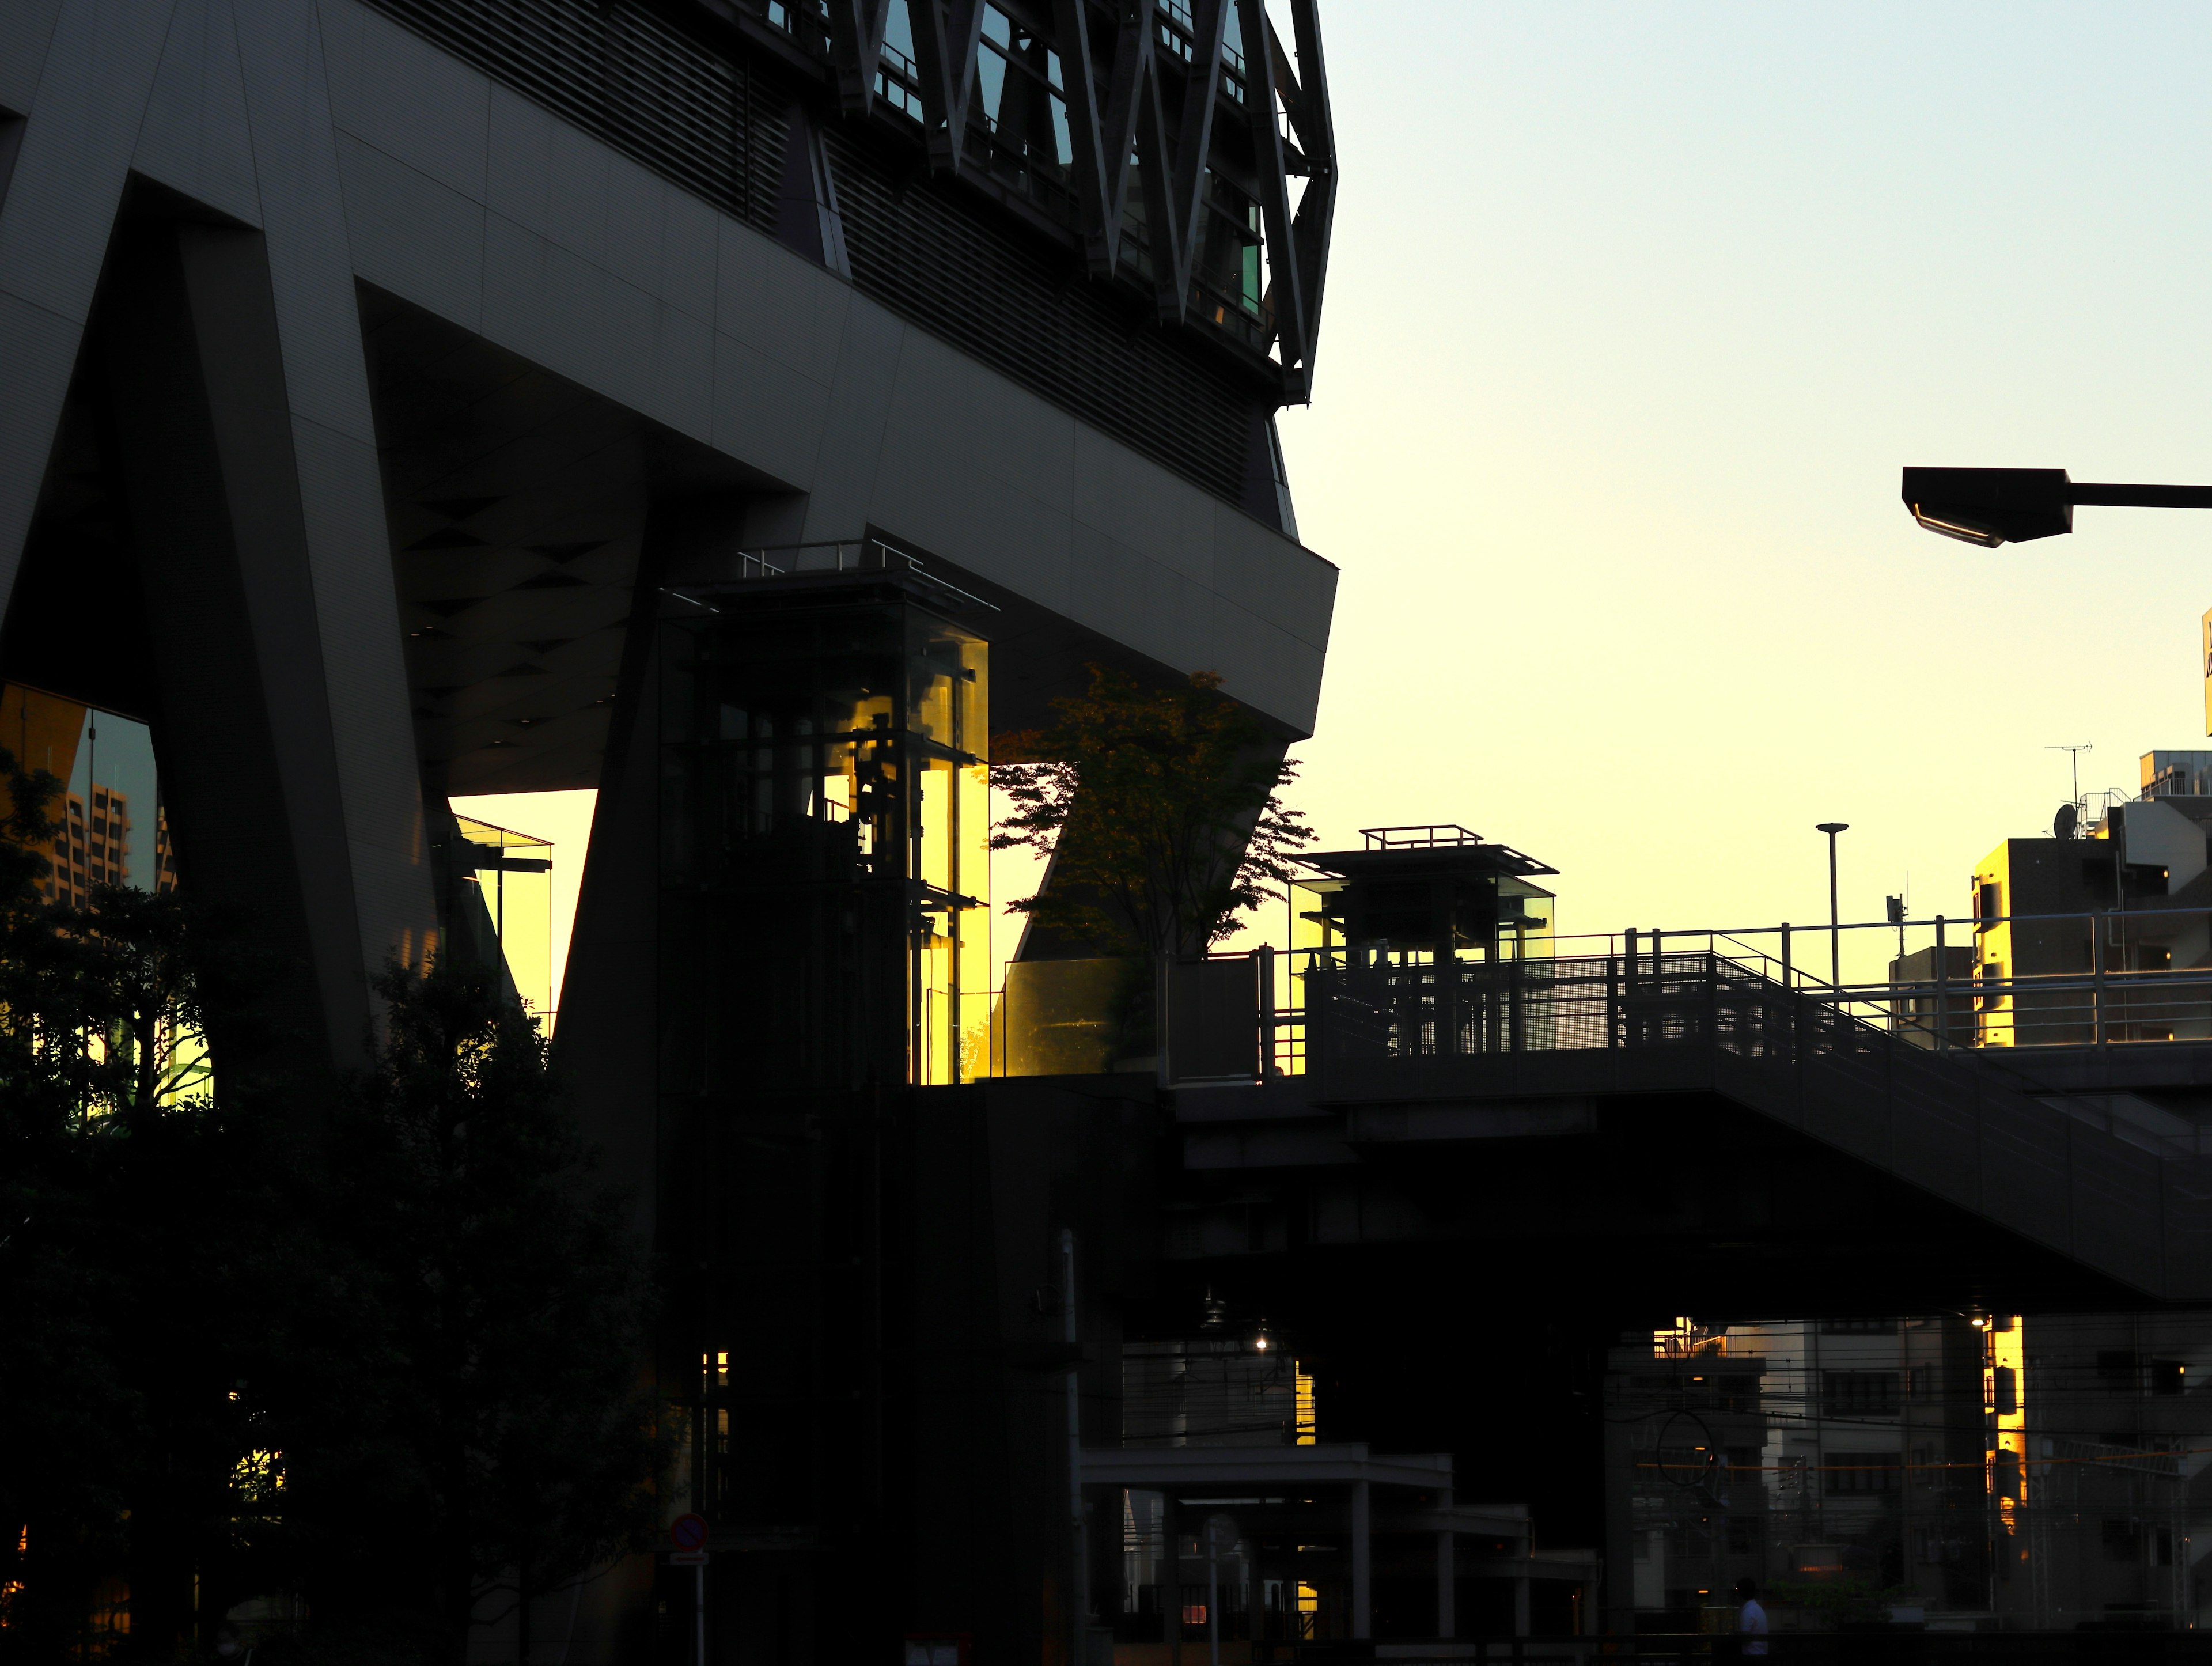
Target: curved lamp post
1990,506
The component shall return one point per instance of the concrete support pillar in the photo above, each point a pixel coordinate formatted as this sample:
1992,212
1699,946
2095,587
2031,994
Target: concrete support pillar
344,544
1447,1586
1363,1567
1521,1606
252,669
83,73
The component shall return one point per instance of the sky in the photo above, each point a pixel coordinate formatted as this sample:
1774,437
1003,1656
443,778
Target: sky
1633,314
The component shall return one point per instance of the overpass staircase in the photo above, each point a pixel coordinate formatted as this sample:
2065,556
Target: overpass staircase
1374,1052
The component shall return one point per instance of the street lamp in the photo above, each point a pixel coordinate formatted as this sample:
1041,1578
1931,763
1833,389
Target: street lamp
1835,921
1989,507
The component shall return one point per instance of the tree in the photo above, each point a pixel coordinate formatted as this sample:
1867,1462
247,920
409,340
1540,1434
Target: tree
377,1341
1161,809
479,1425
135,1259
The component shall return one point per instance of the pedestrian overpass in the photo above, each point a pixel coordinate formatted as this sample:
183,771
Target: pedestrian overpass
1698,1108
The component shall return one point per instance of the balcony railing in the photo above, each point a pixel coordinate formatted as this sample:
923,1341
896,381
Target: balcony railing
1745,990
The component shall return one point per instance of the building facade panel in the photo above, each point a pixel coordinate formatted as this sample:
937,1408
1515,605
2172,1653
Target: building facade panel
30,27
774,302
766,413
395,91
93,73
848,462
196,137
415,237
94,84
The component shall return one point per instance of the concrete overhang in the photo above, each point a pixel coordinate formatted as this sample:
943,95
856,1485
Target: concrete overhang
727,351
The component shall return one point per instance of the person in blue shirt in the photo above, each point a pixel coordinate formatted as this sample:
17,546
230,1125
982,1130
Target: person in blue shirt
1751,1621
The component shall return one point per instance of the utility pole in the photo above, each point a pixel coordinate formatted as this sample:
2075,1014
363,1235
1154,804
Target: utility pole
1835,920
1079,1595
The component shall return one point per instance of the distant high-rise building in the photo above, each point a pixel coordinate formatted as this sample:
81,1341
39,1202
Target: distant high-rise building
93,846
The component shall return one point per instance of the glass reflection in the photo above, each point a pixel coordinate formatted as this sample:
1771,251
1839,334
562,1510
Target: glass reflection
506,878
110,826
824,841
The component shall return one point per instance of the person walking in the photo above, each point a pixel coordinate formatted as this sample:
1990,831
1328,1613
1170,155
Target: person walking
1751,1621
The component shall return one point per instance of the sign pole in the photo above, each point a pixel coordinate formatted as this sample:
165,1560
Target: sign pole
688,1534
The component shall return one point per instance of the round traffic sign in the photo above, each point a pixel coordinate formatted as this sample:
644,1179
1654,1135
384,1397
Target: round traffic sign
688,1532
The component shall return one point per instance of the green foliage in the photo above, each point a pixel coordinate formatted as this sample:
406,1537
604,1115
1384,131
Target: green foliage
479,1410
1833,1602
1161,811
379,1342
134,1249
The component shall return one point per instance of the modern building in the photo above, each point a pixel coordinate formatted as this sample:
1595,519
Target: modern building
1230,1492
104,764
738,407
1956,1472
2077,938
1840,1463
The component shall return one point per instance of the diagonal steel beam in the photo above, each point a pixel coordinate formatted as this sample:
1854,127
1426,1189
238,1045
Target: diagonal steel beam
946,33
1317,132
1286,289
1098,166
856,46
1193,145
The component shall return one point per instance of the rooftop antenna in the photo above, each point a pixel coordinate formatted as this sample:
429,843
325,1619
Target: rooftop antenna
2074,758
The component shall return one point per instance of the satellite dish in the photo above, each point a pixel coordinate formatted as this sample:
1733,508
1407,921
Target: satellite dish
2068,822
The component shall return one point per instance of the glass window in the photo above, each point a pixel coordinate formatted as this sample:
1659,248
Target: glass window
1860,1472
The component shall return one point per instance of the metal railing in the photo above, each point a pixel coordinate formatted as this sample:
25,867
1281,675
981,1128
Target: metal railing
1722,984
864,555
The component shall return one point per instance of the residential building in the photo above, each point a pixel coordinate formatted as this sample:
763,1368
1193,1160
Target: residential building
2076,939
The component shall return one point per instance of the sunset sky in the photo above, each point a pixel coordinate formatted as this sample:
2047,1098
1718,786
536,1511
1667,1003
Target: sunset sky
1633,314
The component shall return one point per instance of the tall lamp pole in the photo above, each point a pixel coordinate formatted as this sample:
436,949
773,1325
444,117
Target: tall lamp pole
1835,920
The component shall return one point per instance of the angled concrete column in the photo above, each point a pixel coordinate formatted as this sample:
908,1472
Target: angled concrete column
343,541
1447,1586
1520,1607
1362,1565
85,69
219,512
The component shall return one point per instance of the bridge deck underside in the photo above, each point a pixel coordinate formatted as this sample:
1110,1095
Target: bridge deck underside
1832,1179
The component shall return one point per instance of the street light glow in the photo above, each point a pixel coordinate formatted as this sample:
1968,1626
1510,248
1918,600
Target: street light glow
1965,534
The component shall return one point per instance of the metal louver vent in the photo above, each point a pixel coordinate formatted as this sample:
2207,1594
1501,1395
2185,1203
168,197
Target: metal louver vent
625,76
929,260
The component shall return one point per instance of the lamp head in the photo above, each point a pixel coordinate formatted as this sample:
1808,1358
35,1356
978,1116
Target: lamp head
1990,506
1832,827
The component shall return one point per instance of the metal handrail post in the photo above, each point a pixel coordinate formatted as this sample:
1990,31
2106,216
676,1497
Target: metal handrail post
1266,956
1942,991
2096,980
1789,1002
1517,1035
1612,1000
1628,990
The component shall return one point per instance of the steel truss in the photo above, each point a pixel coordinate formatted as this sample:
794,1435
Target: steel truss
1139,113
